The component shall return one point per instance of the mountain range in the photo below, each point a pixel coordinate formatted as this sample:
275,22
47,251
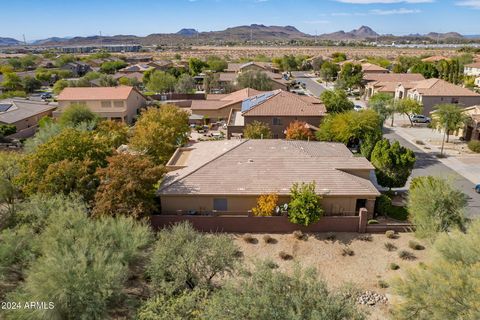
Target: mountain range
254,32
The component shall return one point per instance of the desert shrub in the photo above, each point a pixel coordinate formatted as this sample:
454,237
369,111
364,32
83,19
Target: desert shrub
394,266
299,235
412,244
390,234
383,204
365,237
271,265
285,256
268,239
390,246
474,145
406,255
419,142
372,221
346,251
248,238
185,259
383,284
266,204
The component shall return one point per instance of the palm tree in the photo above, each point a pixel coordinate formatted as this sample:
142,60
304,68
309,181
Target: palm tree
449,118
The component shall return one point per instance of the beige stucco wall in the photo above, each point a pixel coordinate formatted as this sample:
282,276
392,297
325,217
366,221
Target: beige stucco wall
241,204
217,114
430,102
127,112
31,121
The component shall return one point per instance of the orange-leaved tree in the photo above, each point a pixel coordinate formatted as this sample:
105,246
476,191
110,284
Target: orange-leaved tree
298,130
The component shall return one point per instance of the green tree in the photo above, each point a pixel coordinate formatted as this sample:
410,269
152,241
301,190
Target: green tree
434,206
30,84
305,205
382,104
216,64
127,187
111,67
257,80
59,86
449,118
271,294
11,81
409,107
115,132
64,59
160,81
351,76
158,132
75,114
185,259
6,130
82,262
317,63
393,163
426,69
350,127
185,84
329,71
257,130
45,132
196,66
336,101
339,56
70,144
447,286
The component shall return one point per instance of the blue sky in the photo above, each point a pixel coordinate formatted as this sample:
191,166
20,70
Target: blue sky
47,18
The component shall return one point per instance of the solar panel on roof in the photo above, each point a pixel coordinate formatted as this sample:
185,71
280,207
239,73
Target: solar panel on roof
5,106
251,102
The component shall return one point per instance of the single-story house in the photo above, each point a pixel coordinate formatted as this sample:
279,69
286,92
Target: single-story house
233,70
77,68
162,65
472,128
218,106
432,92
122,103
228,176
135,68
372,68
24,114
277,109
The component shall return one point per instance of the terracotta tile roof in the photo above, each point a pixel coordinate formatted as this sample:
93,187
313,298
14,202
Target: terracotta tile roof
253,167
434,59
219,101
130,75
474,65
393,77
438,87
372,67
95,93
283,103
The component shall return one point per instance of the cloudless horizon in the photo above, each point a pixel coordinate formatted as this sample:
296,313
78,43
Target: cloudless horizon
53,18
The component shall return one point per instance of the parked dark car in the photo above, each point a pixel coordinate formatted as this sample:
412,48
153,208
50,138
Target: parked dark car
46,95
477,188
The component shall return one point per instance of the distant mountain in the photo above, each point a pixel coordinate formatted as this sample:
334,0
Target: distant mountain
9,42
187,32
472,36
361,33
49,40
448,35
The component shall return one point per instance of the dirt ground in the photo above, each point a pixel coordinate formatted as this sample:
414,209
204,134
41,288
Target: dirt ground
369,263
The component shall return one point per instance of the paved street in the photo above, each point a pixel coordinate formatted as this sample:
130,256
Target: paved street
428,164
314,87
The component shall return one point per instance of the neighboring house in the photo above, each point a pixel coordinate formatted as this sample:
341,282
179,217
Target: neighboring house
277,109
162,65
387,82
230,75
227,177
472,69
477,82
24,114
122,103
432,92
130,75
135,68
218,106
372,68
77,68
472,128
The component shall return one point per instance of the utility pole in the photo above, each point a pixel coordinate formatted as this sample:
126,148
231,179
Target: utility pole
24,41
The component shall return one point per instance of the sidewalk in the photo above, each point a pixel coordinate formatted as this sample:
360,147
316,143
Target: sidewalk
467,165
